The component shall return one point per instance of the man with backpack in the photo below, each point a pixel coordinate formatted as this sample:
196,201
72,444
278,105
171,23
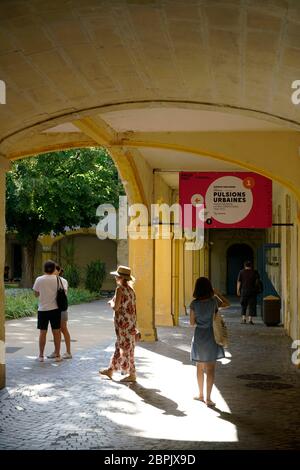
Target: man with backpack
45,288
248,287
64,315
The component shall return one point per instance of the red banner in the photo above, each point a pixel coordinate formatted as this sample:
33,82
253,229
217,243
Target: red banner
231,200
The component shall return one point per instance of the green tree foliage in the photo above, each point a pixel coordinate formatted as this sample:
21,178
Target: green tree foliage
54,191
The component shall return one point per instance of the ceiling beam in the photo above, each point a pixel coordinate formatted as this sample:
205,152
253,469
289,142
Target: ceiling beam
104,135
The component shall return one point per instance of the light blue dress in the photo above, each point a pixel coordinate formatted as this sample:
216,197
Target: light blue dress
204,348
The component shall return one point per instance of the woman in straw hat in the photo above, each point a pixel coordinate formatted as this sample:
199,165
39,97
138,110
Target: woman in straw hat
124,305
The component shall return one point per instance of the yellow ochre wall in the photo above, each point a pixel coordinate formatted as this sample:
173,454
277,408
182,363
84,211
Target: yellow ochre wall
87,248
283,264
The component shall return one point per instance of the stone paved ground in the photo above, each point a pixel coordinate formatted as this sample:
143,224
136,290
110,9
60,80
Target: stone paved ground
69,406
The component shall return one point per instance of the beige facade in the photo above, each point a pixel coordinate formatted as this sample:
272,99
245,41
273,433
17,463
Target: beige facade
164,86
87,247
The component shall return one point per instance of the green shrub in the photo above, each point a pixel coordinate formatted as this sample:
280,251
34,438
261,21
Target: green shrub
95,275
72,274
23,303
79,296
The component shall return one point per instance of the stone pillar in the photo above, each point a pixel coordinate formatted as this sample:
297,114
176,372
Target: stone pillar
182,278
298,273
4,166
175,279
46,242
163,283
141,261
189,277
197,260
122,252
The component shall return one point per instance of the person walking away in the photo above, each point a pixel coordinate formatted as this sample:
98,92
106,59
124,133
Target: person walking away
45,288
124,306
204,349
247,291
64,319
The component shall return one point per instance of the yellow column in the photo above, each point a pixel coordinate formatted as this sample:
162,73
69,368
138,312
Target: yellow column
288,248
182,279
188,273
163,280
4,166
141,261
47,253
197,261
298,274
207,261
175,280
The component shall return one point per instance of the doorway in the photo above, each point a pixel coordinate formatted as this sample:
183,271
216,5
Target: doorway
237,254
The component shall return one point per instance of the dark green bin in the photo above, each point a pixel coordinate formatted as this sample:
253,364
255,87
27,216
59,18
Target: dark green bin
271,310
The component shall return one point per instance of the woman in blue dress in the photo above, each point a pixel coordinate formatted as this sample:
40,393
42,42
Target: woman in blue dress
205,351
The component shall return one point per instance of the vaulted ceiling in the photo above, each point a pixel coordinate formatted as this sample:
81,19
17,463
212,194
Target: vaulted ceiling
145,66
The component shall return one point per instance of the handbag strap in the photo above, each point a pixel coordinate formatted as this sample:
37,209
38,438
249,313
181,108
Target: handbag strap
59,283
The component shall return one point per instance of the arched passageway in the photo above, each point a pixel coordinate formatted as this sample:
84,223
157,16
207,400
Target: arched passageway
206,97
237,254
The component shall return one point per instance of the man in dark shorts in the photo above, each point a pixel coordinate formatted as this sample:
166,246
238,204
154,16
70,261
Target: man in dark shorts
247,289
45,288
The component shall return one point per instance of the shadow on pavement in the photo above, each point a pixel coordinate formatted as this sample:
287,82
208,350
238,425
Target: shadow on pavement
152,397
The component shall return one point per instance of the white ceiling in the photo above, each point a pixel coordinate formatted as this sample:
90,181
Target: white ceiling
164,119
175,119
66,128
173,160
179,119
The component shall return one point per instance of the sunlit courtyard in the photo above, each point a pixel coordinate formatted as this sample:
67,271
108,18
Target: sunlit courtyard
69,406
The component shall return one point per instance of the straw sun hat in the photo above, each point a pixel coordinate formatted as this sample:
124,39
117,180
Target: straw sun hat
123,271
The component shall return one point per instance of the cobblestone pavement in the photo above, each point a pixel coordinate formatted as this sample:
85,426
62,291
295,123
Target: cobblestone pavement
69,406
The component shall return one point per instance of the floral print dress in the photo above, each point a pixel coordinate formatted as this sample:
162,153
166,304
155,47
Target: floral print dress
125,327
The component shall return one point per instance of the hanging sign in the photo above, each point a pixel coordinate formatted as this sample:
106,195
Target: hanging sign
228,200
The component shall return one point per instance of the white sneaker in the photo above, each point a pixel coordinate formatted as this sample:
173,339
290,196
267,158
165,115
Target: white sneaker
52,356
67,356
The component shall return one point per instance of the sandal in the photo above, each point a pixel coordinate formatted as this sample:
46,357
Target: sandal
107,372
129,378
210,404
199,399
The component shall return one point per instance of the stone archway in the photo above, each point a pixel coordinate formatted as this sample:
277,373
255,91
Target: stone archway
73,66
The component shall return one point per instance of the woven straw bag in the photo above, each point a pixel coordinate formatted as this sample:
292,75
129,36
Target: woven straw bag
220,330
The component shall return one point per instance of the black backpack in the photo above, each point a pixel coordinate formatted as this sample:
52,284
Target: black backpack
61,296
